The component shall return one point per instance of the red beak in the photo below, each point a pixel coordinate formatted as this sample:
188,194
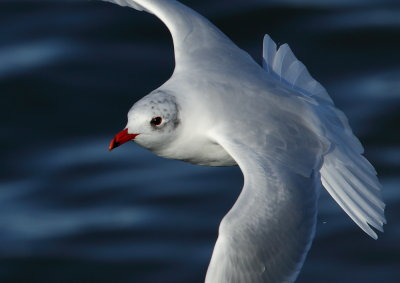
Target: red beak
121,138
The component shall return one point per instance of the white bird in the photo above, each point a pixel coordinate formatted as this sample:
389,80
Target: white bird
221,108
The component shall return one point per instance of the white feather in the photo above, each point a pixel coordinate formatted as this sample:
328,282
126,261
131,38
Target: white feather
283,63
345,173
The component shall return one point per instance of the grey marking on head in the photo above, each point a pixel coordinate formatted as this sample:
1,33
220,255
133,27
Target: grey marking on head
167,107
176,123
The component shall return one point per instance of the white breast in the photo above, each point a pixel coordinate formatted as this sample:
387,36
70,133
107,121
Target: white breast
196,150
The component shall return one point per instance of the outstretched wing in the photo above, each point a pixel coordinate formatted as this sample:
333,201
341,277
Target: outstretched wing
267,233
348,177
195,38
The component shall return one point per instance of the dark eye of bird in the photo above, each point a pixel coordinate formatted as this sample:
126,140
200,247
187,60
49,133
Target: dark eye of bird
156,121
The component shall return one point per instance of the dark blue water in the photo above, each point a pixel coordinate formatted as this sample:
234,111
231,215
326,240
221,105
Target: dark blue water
70,211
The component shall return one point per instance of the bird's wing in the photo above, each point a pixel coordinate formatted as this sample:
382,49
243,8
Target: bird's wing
348,177
195,38
267,233
282,64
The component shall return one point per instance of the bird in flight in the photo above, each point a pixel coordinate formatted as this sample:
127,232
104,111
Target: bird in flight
276,122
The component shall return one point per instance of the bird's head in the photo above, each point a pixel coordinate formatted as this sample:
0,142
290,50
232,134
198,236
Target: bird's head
152,122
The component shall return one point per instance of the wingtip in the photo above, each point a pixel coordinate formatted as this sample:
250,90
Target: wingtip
371,231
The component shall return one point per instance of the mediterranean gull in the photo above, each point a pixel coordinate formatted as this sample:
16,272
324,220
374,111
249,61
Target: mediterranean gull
277,123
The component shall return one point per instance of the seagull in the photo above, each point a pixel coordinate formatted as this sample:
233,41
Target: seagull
276,122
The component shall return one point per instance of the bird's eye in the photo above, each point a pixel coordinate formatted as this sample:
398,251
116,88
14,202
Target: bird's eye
156,121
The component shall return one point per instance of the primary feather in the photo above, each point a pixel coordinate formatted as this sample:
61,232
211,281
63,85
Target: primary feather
348,177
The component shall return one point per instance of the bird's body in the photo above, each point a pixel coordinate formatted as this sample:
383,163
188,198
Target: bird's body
221,108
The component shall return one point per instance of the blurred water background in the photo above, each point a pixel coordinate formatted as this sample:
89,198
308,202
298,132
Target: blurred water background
70,211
